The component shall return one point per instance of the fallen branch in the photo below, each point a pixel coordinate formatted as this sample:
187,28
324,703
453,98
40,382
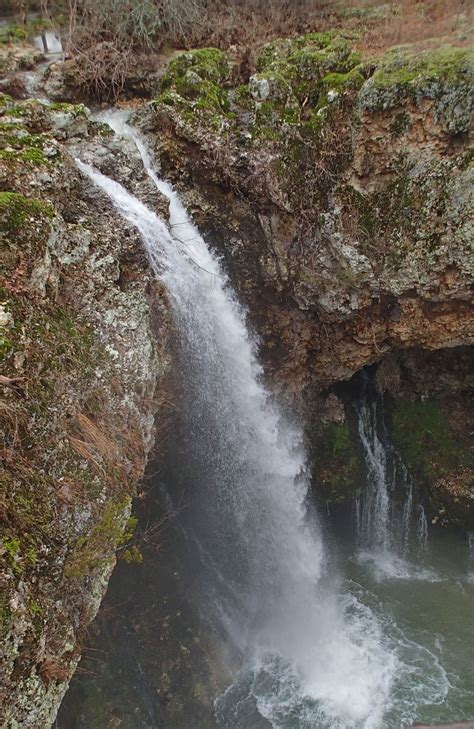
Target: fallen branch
14,384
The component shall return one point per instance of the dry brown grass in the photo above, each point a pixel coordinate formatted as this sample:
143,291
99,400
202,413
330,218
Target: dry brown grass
51,670
411,21
91,443
250,23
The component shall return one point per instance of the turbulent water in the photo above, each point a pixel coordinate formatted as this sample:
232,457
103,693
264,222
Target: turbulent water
315,650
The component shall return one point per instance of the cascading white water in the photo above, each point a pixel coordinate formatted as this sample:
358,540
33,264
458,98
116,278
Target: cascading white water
309,654
388,518
49,42
422,528
375,510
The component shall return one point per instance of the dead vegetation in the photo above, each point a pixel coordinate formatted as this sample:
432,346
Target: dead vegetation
408,21
113,47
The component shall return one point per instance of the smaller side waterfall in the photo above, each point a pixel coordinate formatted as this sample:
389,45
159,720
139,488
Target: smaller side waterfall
49,42
470,541
389,517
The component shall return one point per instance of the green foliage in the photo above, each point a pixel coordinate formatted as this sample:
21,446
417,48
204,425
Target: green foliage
130,527
19,554
5,100
132,554
5,347
13,33
36,609
11,547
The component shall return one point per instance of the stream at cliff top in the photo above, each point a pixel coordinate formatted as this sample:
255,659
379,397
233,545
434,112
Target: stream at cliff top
326,625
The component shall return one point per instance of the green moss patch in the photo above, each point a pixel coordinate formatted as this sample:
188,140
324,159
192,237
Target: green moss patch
422,433
13,33
19,144
74,109
193,86
410,72
338,462
445,75
309,56
299,78
16,211
440,460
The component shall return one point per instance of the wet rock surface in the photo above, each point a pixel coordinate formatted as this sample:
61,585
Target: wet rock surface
427,400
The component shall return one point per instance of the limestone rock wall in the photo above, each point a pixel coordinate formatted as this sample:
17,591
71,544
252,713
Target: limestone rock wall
338,191
83,327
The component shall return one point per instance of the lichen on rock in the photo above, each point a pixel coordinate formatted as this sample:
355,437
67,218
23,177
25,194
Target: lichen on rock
83,349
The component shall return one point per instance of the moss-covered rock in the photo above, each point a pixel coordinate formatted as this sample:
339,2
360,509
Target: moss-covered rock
79,373
309,57
73,109
342,190
438,453
23,139
299,78
16,211
15,52
444,76
338,464
194,87
295,83
19,145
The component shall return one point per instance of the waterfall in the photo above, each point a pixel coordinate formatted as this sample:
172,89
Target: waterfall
388,518
307,649
470,543
422,528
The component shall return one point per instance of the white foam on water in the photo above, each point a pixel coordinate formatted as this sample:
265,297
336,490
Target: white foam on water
385,565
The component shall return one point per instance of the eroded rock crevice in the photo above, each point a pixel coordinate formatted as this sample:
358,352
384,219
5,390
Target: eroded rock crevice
427,400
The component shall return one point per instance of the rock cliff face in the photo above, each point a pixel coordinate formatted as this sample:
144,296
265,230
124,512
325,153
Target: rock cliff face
338,191
340,194
83,327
